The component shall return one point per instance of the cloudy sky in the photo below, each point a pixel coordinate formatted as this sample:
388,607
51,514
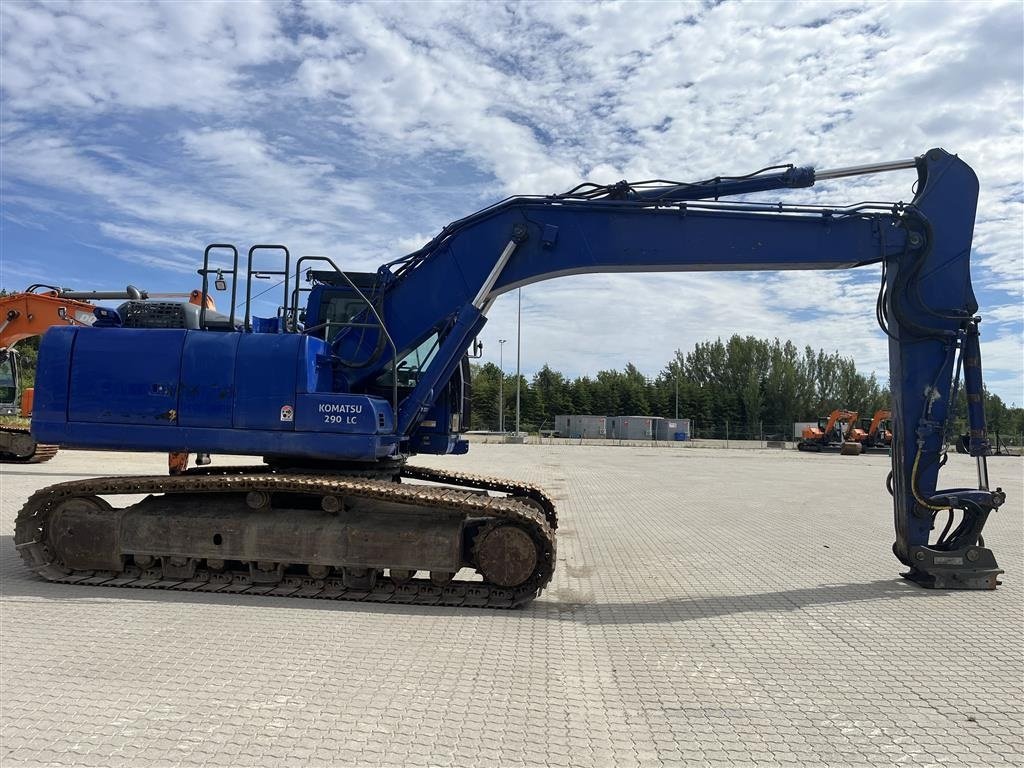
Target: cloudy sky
135,133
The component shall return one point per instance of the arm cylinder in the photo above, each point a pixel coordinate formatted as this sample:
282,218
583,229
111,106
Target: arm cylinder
863,170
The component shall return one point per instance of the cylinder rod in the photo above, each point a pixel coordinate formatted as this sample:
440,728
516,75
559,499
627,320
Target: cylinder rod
861,170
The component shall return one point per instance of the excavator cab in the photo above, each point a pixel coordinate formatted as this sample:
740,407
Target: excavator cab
9,378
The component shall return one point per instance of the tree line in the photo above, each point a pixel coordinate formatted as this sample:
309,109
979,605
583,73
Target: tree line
741,387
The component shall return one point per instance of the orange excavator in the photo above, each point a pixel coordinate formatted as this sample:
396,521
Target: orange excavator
877,438
30,313
831,434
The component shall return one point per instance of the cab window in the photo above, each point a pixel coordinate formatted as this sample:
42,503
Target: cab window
411,365
339,311
8,386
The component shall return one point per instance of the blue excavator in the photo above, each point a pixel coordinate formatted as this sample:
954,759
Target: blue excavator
357,372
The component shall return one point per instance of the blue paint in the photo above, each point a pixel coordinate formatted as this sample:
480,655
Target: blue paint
126,376
249,442
208,380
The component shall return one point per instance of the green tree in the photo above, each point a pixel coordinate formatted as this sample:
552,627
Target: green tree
484,413
554,396
746,382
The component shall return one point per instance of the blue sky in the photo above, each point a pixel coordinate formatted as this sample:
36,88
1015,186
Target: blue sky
133,134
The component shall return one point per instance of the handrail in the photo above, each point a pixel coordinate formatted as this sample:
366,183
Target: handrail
205,272
249,273
373,309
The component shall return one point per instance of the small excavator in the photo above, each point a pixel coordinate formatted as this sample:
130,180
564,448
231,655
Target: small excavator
359,371
876,438
832,435
23,315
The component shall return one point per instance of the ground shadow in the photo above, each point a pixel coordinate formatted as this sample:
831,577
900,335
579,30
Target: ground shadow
684,609
18,583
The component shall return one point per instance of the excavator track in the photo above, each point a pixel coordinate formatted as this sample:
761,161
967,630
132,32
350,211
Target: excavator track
33,538
19,437
484,482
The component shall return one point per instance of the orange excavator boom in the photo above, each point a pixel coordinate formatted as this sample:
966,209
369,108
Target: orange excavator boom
880,416
31,312
840,415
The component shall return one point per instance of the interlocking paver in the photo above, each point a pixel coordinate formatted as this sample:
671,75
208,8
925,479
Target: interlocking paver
710,607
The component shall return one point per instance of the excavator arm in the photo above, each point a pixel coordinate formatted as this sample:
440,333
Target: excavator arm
926,306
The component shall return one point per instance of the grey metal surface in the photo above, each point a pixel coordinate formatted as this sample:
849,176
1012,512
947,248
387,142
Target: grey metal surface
131,292
585,426
650,647
630,427
666,429
862,170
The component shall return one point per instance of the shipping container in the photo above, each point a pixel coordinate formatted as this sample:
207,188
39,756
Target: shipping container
630,427
672,429
580,426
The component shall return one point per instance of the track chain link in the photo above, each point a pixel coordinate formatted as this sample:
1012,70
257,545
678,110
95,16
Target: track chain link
487,483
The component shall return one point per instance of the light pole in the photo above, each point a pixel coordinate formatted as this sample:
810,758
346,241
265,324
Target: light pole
501,385
677,396
519,334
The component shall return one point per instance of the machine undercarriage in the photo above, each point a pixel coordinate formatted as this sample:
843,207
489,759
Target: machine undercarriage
17,446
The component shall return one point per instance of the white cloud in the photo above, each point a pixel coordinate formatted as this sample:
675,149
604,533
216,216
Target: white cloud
104,57
358,131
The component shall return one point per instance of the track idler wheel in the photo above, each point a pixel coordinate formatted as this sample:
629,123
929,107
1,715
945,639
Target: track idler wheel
505,554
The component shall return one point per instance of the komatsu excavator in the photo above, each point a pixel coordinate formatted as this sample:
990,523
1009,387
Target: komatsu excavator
23,315
359,371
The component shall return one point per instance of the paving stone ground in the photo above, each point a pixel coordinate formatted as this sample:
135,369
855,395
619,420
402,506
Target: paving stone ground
710,607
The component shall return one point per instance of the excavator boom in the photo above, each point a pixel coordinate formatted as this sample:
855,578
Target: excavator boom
877,420
358,371
27,314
